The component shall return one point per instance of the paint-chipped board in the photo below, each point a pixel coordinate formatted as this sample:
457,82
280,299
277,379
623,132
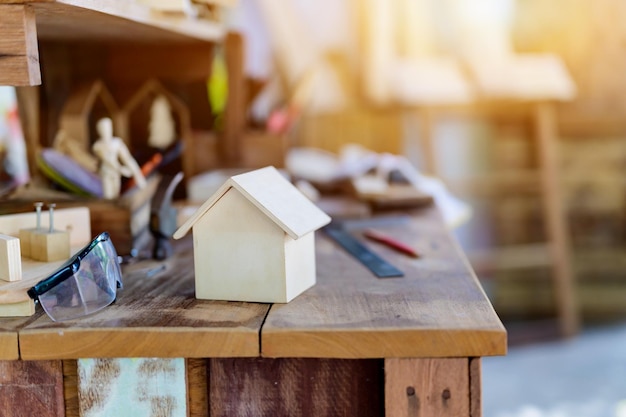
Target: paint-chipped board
427,386
31,388
438,309
132,386
268,387
153,316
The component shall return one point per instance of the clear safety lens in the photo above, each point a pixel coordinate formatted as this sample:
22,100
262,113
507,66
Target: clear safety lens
91,288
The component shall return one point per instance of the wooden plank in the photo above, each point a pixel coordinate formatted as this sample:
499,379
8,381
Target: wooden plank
132,386
30,388
427,387
153,316
19,56
28,103
70,387
235,115
295,387
475,383
438,309
106,20
197,387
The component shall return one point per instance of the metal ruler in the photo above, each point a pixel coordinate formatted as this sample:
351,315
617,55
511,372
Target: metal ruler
380,267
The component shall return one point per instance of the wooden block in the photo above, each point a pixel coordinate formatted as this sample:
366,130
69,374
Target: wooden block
429,387
16,303
31,388
50,246
76,220
19,55
10,258
25,241
132,387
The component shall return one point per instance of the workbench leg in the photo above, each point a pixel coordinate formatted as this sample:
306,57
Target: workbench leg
475,381
555,217
427,387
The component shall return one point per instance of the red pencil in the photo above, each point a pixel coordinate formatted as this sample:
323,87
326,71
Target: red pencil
391,242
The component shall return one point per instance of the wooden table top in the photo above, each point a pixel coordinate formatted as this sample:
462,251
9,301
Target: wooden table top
438,309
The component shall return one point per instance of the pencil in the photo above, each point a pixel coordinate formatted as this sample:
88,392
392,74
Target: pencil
391,242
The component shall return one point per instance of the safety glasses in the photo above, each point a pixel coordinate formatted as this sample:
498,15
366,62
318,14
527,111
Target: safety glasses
86,283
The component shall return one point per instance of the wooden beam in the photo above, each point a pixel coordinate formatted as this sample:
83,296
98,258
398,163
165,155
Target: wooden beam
427,387
19,56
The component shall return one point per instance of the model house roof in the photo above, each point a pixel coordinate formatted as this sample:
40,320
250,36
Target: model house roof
275,196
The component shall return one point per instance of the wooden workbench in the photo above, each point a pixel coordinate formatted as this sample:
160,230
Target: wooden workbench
352,345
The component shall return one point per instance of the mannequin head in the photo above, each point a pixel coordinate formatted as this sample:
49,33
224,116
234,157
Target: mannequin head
105,128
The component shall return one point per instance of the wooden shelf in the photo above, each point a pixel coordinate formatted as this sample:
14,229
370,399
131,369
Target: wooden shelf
24,23
114,20
84,20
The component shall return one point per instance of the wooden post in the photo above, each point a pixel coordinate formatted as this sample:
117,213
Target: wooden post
235,115
545,125
475,376
427,140
427,387
19,55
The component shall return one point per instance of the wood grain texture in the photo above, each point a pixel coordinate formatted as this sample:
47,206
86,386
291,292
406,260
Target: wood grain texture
475,376
295,387
154,316
106,20
9,348
70,387
197,387
31,388
437,309
427,387
236,111
19,55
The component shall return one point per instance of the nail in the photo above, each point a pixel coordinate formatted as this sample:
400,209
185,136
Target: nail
51,211
410,391
446,394
38,206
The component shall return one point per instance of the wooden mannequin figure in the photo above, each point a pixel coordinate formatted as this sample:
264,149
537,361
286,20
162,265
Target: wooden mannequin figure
115,160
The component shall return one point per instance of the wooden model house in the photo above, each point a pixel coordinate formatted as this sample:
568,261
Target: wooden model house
253,240
135,117
87,104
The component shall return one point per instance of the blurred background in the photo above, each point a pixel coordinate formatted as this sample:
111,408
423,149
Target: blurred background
519,107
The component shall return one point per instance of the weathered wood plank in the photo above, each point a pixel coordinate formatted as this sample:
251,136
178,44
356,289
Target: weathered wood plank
438,309
427,387
70,387
154,316
475,375
132,386
295,387
31,388
197,387
19,55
